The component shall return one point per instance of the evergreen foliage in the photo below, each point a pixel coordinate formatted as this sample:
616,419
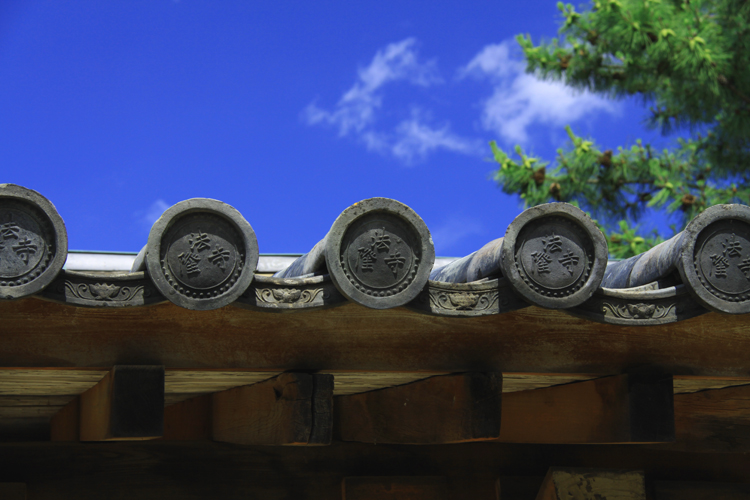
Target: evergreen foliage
689,59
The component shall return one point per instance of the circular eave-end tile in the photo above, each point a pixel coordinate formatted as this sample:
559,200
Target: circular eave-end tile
201,254
554,255
715,261
379,253
33,242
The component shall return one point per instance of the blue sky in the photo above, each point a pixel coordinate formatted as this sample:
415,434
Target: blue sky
288,111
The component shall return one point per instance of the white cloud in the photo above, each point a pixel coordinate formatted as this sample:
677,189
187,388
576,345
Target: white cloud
413,139
521,100
417,139
518,102
355,113
356,108
152,213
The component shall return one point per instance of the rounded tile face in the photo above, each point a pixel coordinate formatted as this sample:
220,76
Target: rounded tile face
554,256
23,243
202,255
380,254
722,259
33,242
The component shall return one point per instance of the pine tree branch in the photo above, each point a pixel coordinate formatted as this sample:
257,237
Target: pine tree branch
723,81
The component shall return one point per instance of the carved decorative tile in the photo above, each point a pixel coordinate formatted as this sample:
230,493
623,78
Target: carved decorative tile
202,254
379,253
99,289
467,299
716,258
33,242
639,307
554,255
290,294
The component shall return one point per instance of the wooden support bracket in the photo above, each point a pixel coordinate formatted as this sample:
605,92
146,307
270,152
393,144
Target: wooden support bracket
127,404
592,484
290,409
444,409
633,408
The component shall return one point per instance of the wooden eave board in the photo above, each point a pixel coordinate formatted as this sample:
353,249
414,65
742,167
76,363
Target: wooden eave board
354,338
41,392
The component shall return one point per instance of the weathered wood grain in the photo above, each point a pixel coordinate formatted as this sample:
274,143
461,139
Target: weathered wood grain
350,382
247,414
31,406
290,409
57,381
687,383
208,380
592,484
56,386
714,420
514,382
617,409
354,338
34,400
42,386
182,384
443,409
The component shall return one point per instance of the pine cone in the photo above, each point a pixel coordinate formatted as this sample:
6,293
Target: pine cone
539,176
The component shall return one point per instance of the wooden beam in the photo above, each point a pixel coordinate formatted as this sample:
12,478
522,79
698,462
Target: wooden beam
713,420
40,333
633,408
592,484
321,432
290,409
693,490
65,424
181,384
689,383
280,411
189,420
127,404
445,409
61,381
